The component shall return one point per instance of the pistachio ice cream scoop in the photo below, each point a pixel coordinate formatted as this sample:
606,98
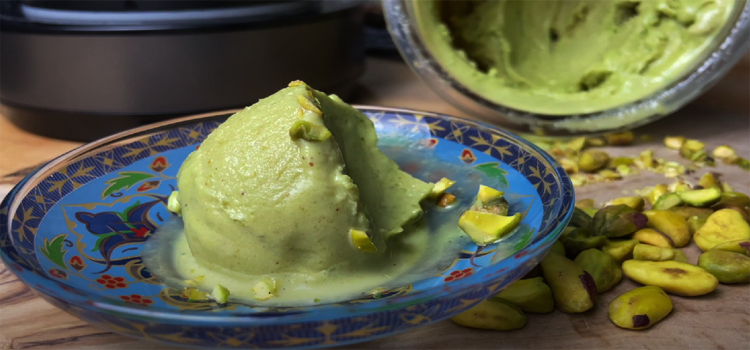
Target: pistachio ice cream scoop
293,184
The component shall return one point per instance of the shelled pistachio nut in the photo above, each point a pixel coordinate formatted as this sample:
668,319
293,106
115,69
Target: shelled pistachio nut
617,221
636,202
495,313
531,295
741,246
688,212
701,198
672,276
726,266
580,240
640,308
696,222
605,271
620,249
308,131
671,224
573,288
651,253
593,160
723,226
654,238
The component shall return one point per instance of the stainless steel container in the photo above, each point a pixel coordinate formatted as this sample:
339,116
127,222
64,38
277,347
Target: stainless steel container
82,74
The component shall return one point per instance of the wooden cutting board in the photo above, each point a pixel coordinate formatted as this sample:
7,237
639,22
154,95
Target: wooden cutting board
720,320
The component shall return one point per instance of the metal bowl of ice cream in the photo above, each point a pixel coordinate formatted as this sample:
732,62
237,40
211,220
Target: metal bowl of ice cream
569,68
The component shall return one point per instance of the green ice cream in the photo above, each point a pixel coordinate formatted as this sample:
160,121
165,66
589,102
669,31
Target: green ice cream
280,187
569,56
390,196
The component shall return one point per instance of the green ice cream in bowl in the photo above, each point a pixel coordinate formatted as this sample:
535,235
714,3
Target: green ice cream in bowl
293,183
297,222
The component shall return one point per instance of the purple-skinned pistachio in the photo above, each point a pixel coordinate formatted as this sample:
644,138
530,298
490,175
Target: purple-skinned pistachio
573,288
604,270
641,321
590,285
617,221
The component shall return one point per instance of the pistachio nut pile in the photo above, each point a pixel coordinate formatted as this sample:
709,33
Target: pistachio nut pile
639,237
586,164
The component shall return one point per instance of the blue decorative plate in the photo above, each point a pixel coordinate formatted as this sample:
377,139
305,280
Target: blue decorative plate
74,230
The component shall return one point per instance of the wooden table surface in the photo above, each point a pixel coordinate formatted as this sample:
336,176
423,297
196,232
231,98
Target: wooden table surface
720,320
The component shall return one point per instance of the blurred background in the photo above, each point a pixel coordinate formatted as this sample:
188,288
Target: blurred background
76,71
81,70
